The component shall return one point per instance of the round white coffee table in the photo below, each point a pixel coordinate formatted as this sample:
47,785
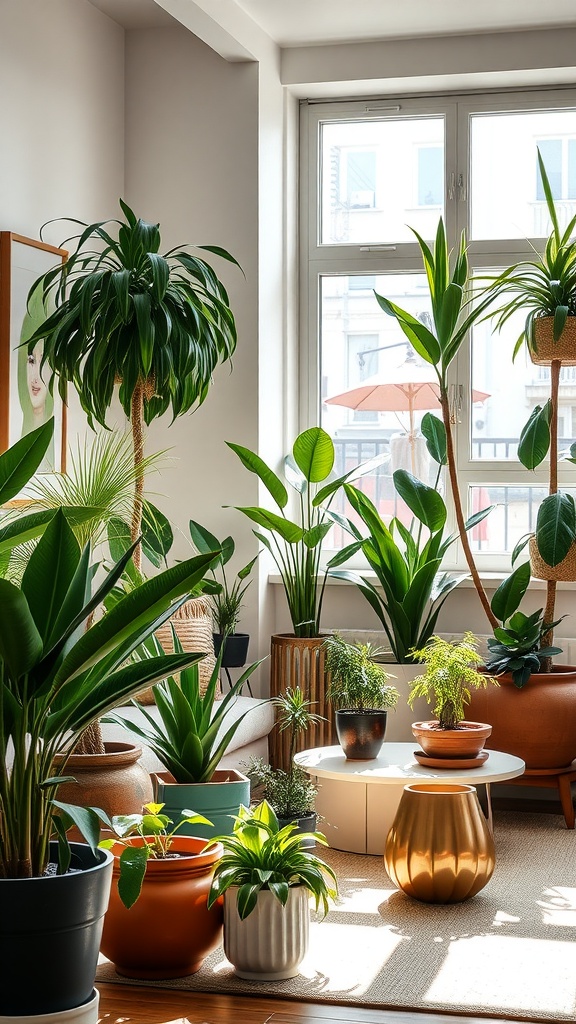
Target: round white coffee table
358,799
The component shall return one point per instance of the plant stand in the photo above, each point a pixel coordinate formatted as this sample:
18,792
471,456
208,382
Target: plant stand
553,778
300,662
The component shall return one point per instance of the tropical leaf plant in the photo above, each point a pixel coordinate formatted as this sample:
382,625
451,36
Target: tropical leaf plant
156,324
296,544
261,855
407,563
57,677
227,600
454,313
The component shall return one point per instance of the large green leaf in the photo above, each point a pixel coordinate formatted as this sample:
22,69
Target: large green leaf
255,464
19,463
314,454
290,532
509,594
133,613
535,437
422,340
556,527
426,503
49,573
20,641
434,431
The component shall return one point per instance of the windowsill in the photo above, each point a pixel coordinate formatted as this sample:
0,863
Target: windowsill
491,580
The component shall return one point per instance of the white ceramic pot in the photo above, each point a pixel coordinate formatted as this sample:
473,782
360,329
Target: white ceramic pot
269,944
85,1014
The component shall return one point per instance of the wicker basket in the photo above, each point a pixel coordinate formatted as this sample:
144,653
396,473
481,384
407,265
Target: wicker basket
193,627
546,349
565,571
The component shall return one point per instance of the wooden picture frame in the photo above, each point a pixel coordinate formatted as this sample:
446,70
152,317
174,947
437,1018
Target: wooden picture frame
25,400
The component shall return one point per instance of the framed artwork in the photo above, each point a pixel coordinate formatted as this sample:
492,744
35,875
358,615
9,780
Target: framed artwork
25,399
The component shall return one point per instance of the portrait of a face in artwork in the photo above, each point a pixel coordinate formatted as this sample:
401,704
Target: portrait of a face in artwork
36,401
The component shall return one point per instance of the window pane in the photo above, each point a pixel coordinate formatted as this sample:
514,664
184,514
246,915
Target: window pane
514,516
378,176
374,386
507,392
505,195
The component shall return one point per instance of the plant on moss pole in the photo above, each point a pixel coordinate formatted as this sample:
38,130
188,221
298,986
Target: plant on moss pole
157,325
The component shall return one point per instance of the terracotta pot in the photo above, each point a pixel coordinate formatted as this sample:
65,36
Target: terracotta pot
169,931
361,733
114,781
466,741
299,661
439,849
546,349
536,723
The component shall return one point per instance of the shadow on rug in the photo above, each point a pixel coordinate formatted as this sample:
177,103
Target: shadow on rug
509,951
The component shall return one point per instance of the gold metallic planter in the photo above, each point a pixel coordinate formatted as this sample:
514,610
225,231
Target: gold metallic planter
440,849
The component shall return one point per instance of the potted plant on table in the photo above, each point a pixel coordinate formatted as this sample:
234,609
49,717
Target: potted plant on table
451,673
296,546
266,877
360,690
56,678
189,733
155,325
291,792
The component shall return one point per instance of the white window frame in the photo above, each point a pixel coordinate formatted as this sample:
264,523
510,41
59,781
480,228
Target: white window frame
345,259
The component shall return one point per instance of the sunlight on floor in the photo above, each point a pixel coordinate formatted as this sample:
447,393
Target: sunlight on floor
500,972
342,957
559,906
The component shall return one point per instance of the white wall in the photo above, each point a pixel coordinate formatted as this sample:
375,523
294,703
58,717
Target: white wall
61,113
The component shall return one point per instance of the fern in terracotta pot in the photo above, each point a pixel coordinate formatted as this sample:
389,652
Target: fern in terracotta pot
451,673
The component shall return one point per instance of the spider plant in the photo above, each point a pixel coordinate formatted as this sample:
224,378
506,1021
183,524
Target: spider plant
261,855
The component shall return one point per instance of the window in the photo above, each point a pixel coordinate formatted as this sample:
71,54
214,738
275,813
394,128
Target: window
372,173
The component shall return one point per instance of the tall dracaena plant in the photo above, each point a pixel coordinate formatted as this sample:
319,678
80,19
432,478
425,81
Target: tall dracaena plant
452,317
157,325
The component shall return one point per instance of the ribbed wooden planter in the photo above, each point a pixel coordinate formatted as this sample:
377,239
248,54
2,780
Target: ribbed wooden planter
565,570
300,662
546,349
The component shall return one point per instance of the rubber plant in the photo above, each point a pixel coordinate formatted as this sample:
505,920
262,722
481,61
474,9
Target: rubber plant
155,324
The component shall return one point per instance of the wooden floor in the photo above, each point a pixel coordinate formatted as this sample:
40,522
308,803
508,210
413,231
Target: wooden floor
125,1004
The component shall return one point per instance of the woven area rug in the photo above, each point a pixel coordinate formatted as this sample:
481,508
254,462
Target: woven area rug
510,951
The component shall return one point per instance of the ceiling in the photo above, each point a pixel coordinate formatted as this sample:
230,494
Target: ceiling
311,22
308,22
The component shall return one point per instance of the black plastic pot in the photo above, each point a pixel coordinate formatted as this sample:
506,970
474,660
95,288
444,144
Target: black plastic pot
235,649
50,931
306,823
361,733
